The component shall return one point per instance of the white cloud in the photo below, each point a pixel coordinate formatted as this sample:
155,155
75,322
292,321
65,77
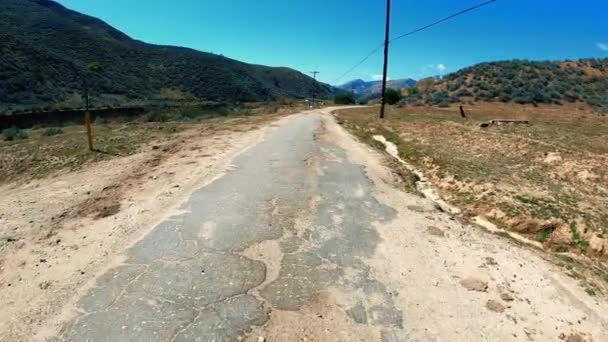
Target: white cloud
378,77
434,68
603,46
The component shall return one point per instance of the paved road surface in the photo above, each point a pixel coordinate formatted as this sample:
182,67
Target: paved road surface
299,241
196,277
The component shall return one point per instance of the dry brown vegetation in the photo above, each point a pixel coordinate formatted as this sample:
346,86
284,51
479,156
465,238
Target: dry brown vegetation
41,154
547,180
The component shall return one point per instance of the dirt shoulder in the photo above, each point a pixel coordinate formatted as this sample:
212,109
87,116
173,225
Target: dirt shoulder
454,281
544,180
59,232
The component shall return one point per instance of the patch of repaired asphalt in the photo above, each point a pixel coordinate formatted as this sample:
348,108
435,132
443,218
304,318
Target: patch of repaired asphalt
188,279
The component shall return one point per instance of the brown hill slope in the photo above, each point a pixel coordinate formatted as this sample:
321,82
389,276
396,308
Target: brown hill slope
522,82
46,47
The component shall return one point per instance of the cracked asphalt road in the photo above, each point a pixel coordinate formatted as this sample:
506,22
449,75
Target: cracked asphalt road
290,225
306,238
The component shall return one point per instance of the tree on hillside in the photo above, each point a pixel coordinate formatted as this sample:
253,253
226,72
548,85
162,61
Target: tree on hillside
392,96
91,68
344,99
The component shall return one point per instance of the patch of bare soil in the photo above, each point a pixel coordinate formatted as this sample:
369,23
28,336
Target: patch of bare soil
58,233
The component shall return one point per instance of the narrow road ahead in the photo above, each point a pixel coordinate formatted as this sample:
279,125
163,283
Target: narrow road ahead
304,239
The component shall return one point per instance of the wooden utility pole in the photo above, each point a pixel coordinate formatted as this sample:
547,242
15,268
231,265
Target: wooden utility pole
87,117
386,42
91,67
314,92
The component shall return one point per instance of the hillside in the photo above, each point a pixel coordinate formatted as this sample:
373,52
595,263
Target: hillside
46,48
362,88
521,82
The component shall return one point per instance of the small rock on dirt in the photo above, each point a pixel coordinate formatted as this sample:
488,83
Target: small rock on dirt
561,236
44,285
552,157
507,297
495,306
474,284
572,338
435,231
528,226
491,261
596,246
416,208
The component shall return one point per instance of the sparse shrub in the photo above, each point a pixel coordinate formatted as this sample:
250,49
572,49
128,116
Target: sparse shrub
344,99
444,104
100,120
52,131
544,235
157,116
392,96
14,133
463,92
284,101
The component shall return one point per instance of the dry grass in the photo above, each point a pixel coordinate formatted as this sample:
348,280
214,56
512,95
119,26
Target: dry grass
505,172
40,155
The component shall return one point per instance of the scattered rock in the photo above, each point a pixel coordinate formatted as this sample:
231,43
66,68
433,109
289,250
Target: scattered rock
528,226
575,338
552,157
507,297
495,306
530,333
474,284
44,285
491,261
416,208
435,231
596,246
43,261
561,236
587,175
155,147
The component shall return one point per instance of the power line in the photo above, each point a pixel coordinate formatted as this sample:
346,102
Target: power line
314,91
375,50
443,20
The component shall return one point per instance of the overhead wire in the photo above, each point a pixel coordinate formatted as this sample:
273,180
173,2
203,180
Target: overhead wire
375,50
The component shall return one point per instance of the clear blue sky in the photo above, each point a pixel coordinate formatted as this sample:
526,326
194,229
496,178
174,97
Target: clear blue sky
332,35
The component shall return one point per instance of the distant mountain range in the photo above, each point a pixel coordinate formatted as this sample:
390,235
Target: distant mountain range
45,49
363,88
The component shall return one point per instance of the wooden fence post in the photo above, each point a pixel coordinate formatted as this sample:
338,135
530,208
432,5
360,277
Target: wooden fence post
464,116
87,123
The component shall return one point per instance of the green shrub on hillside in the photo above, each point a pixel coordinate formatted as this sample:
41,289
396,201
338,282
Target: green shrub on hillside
14,133
52,131
524,82
344,99
392,96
